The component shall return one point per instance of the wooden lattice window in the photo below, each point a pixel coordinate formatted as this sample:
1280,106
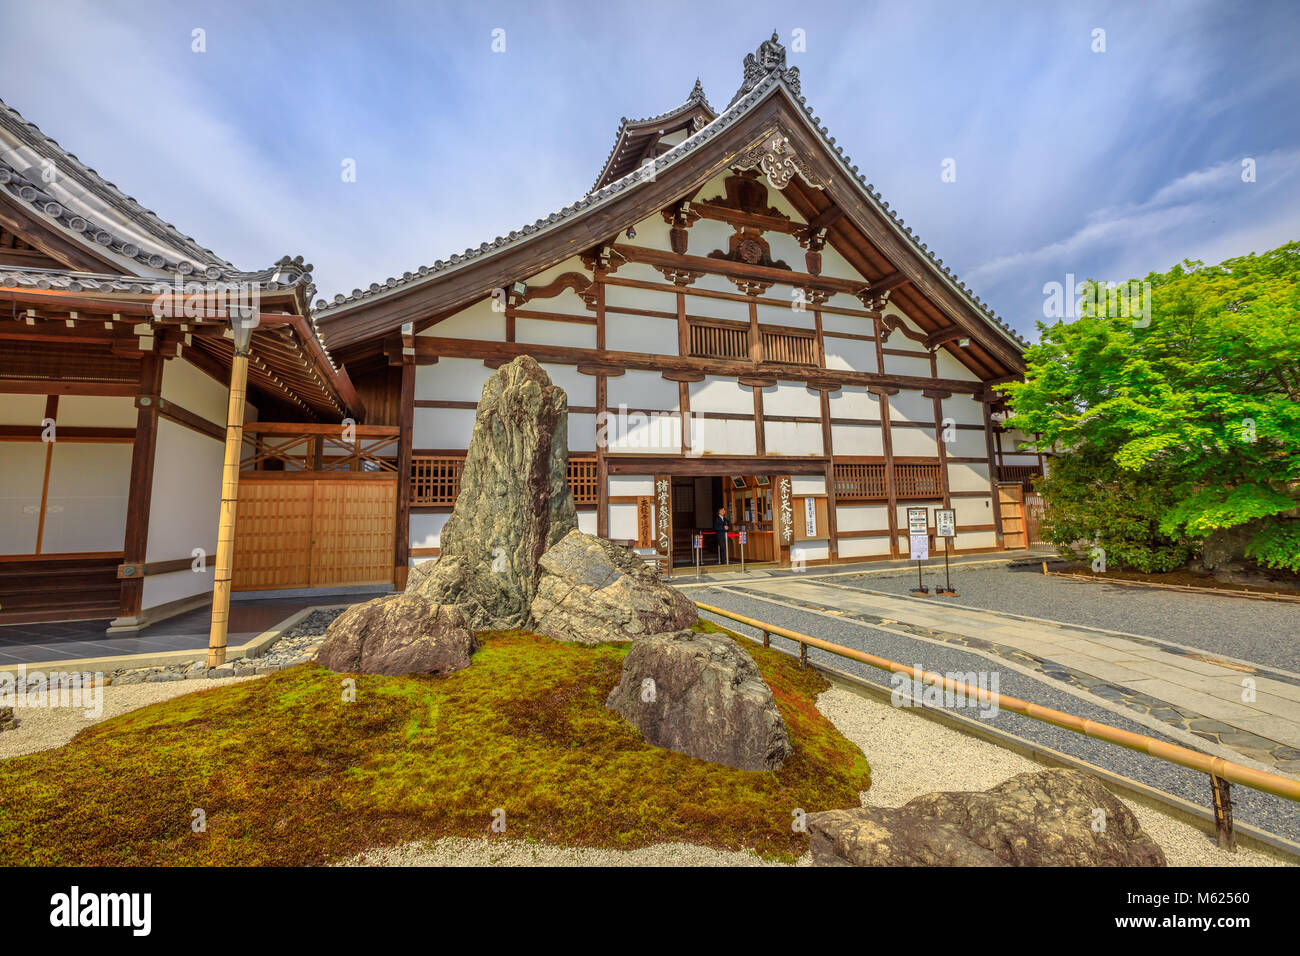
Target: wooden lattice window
918,481
789,348
860,482
719,341
583,481
435,481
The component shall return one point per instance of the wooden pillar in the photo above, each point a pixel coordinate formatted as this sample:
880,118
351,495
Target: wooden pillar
891,492
52,414
760,430
938,434
229,504
602,414
136,542
994,502
886,440
832,530
406,425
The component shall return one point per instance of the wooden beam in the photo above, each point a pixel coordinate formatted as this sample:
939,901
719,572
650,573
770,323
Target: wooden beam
221,583
140,496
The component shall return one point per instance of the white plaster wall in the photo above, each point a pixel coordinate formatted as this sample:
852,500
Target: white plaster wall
582,432
184,510
968,477
905,364
851,355
86,506
21,480
547,332
450,380
101,411
910,406
852,324
716,394
476,321
862,518
967,444
724,437
862,547
964,410
645,434
950,367
857,440
426,529
787,315
21,409
807,485
929,507
792,438
622,522
644,390
854,402
789,398
977,539
639,333
914,443
581,389
626,486
194,391
587,522
973,511
442,428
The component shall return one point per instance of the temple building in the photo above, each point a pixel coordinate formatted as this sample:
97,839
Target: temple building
739,320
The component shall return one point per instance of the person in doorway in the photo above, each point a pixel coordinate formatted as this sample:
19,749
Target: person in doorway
720,528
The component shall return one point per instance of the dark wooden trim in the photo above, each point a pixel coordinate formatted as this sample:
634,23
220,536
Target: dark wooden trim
993,475
405,430
128,572
40,386
709,466
81,434
602,401
182,416
135,543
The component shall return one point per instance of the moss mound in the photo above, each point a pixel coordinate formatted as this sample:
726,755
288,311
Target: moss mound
288,773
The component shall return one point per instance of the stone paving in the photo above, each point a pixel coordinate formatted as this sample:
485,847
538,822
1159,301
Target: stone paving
1252,710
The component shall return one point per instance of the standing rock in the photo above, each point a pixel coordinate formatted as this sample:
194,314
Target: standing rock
398,634
1047,818
514,500
592,590
702,695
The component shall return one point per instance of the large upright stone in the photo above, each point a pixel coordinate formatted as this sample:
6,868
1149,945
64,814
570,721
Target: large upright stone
514,501
592,590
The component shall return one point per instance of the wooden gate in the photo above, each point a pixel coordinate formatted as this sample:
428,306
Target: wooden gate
1035,512
1011,507
300,532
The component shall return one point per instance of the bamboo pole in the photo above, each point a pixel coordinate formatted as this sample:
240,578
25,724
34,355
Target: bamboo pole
1262,780
229,504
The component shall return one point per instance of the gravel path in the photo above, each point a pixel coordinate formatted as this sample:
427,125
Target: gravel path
1258,809
1263,632
43,728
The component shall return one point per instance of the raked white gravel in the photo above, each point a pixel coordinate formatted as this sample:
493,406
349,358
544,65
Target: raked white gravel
909,756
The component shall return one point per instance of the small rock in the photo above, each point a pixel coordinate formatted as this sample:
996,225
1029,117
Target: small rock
398,634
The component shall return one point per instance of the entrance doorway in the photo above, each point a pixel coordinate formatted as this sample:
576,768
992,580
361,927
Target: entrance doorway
747,500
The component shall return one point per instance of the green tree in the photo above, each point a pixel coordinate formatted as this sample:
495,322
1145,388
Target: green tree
1189,422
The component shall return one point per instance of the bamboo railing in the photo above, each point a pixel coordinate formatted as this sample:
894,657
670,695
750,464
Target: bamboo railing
1220,771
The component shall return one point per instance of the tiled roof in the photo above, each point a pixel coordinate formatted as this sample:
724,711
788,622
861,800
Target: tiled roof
777,79
36,171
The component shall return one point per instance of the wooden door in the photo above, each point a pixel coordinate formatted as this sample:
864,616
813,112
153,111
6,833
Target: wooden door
314,532
353,528
1012,509
273,535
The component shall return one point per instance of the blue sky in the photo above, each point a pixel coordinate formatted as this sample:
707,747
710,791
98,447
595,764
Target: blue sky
1105,165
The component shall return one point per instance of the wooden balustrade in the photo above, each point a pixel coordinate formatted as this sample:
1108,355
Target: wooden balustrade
1025,474
865,481
729,340
435,481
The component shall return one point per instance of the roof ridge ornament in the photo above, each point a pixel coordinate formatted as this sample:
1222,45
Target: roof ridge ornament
777,160
769,58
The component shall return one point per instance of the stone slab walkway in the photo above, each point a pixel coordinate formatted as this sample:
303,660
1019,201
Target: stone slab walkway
1247,708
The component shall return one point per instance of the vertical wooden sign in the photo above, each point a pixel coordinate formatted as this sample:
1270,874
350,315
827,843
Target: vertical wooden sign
783,517
645,537
664,514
